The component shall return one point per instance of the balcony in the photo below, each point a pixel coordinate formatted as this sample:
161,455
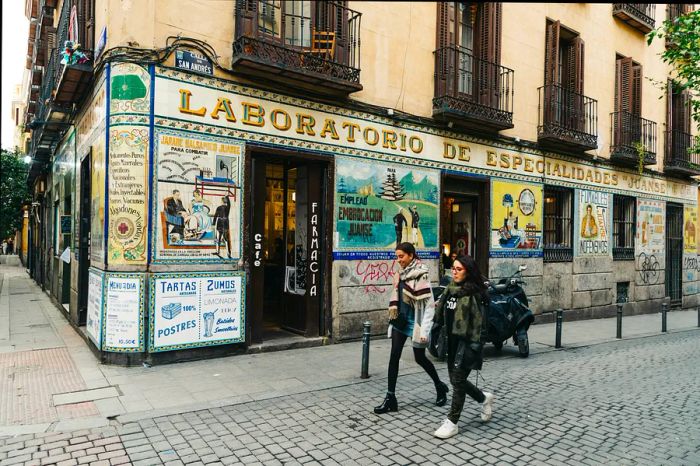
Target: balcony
472,93
682,155
640,16
567,120
630,134
315,48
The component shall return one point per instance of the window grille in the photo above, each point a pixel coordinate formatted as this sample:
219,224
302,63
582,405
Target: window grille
558,224
624,227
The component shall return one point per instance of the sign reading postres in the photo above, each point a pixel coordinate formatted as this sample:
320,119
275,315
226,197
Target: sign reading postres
196,309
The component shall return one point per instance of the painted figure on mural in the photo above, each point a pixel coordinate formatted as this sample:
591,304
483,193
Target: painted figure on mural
399,223
646,225
199,222
415,218
589,227
689,231
222,226
175,216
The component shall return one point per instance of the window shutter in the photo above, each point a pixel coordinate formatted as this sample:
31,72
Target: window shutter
444,38
623,81
445,57
670,97
551,57
333,17
246,18
637,90
578,47
489,51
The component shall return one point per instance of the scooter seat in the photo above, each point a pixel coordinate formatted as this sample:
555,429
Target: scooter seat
500,287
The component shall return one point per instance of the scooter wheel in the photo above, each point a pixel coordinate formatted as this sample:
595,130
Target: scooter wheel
524,346
498,345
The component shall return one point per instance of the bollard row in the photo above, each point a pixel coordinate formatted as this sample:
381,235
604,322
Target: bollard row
366,332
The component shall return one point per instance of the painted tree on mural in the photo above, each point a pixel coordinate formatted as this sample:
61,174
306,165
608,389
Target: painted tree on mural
682,35
392,190
13,191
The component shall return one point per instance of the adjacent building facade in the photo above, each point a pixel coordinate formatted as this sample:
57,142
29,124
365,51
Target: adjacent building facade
208,181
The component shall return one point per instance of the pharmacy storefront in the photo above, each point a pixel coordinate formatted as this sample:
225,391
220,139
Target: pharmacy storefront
234,215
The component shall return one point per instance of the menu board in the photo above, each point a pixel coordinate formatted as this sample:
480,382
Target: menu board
123,316
94,308
196,309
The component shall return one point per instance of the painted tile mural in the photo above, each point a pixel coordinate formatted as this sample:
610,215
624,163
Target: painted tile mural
593,234
97,188
197,211
690,225
128,175
379,205
516,219
649,241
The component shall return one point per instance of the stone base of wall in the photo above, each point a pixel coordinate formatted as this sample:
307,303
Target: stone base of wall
602,312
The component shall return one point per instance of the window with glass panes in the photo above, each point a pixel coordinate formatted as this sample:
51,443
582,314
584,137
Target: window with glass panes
624,209
558,224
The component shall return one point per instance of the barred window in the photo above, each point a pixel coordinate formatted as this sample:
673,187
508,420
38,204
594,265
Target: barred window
624,209
558,224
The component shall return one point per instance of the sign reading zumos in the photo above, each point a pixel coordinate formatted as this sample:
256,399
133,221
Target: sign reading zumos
227,105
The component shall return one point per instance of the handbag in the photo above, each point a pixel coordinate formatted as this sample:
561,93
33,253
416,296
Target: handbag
400,323
438,341
469,355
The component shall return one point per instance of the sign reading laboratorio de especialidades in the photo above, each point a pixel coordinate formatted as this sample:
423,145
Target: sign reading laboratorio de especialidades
196,309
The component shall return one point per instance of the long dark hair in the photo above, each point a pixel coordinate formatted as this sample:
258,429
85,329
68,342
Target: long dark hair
407,248
474,283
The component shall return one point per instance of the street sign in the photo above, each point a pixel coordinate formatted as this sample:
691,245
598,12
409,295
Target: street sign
192,61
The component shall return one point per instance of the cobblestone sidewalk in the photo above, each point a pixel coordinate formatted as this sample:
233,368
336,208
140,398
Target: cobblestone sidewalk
629,402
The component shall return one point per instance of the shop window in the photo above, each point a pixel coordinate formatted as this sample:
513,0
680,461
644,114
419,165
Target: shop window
558,224
624,209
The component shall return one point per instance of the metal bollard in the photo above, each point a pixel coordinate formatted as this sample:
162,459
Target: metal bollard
560,319
365,350
664,310
619,320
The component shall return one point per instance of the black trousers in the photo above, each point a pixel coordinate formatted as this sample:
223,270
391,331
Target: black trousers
397,341
461,387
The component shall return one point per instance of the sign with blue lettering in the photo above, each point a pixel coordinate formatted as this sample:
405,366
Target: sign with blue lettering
192,61
196,309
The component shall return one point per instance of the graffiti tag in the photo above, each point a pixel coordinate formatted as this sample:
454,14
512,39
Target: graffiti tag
648,268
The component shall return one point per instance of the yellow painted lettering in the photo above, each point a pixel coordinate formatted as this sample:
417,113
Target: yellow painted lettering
287,120
185,96
224,104
329,127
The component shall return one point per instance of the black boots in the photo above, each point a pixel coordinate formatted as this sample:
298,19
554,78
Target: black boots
388,405
442,390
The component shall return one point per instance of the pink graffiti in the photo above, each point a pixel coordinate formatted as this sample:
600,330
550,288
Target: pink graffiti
373,289
374,272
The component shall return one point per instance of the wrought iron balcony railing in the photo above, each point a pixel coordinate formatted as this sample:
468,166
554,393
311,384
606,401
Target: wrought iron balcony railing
313,43
640,16
682,153
567,119
630,136
472,91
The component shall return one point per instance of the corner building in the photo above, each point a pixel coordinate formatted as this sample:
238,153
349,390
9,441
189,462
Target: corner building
213,181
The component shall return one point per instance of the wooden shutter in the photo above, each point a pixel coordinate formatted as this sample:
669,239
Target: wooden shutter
445,57
333,17
488,26
551,57
636,104
444,37
86,22
669,119
623,88
246,18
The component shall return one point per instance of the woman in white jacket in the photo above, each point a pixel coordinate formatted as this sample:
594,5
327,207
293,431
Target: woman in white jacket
411,311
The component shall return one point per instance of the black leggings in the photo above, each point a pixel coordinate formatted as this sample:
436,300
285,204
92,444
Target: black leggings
397,341
461,387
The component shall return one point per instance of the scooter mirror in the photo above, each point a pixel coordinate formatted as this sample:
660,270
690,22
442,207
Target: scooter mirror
522,267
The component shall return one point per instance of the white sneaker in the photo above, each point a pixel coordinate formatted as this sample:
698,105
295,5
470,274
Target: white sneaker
487,406
446,430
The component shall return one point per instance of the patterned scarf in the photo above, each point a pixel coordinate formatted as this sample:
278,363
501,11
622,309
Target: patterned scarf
416,287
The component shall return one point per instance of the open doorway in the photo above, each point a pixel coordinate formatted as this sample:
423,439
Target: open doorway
464,222
84,237
287,210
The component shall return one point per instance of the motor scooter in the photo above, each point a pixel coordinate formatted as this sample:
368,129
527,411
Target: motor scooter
508,314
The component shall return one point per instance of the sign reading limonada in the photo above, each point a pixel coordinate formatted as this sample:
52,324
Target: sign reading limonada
196,309
254,113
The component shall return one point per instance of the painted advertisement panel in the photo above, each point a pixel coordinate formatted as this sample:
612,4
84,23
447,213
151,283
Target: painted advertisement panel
516,219
379,205
128,190
690,225
123,321
198,198
196,309
651,221
94,308
593,221
97,188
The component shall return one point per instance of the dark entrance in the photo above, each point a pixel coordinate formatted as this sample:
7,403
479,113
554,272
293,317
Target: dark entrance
84,237
464,220
288,247
674,253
